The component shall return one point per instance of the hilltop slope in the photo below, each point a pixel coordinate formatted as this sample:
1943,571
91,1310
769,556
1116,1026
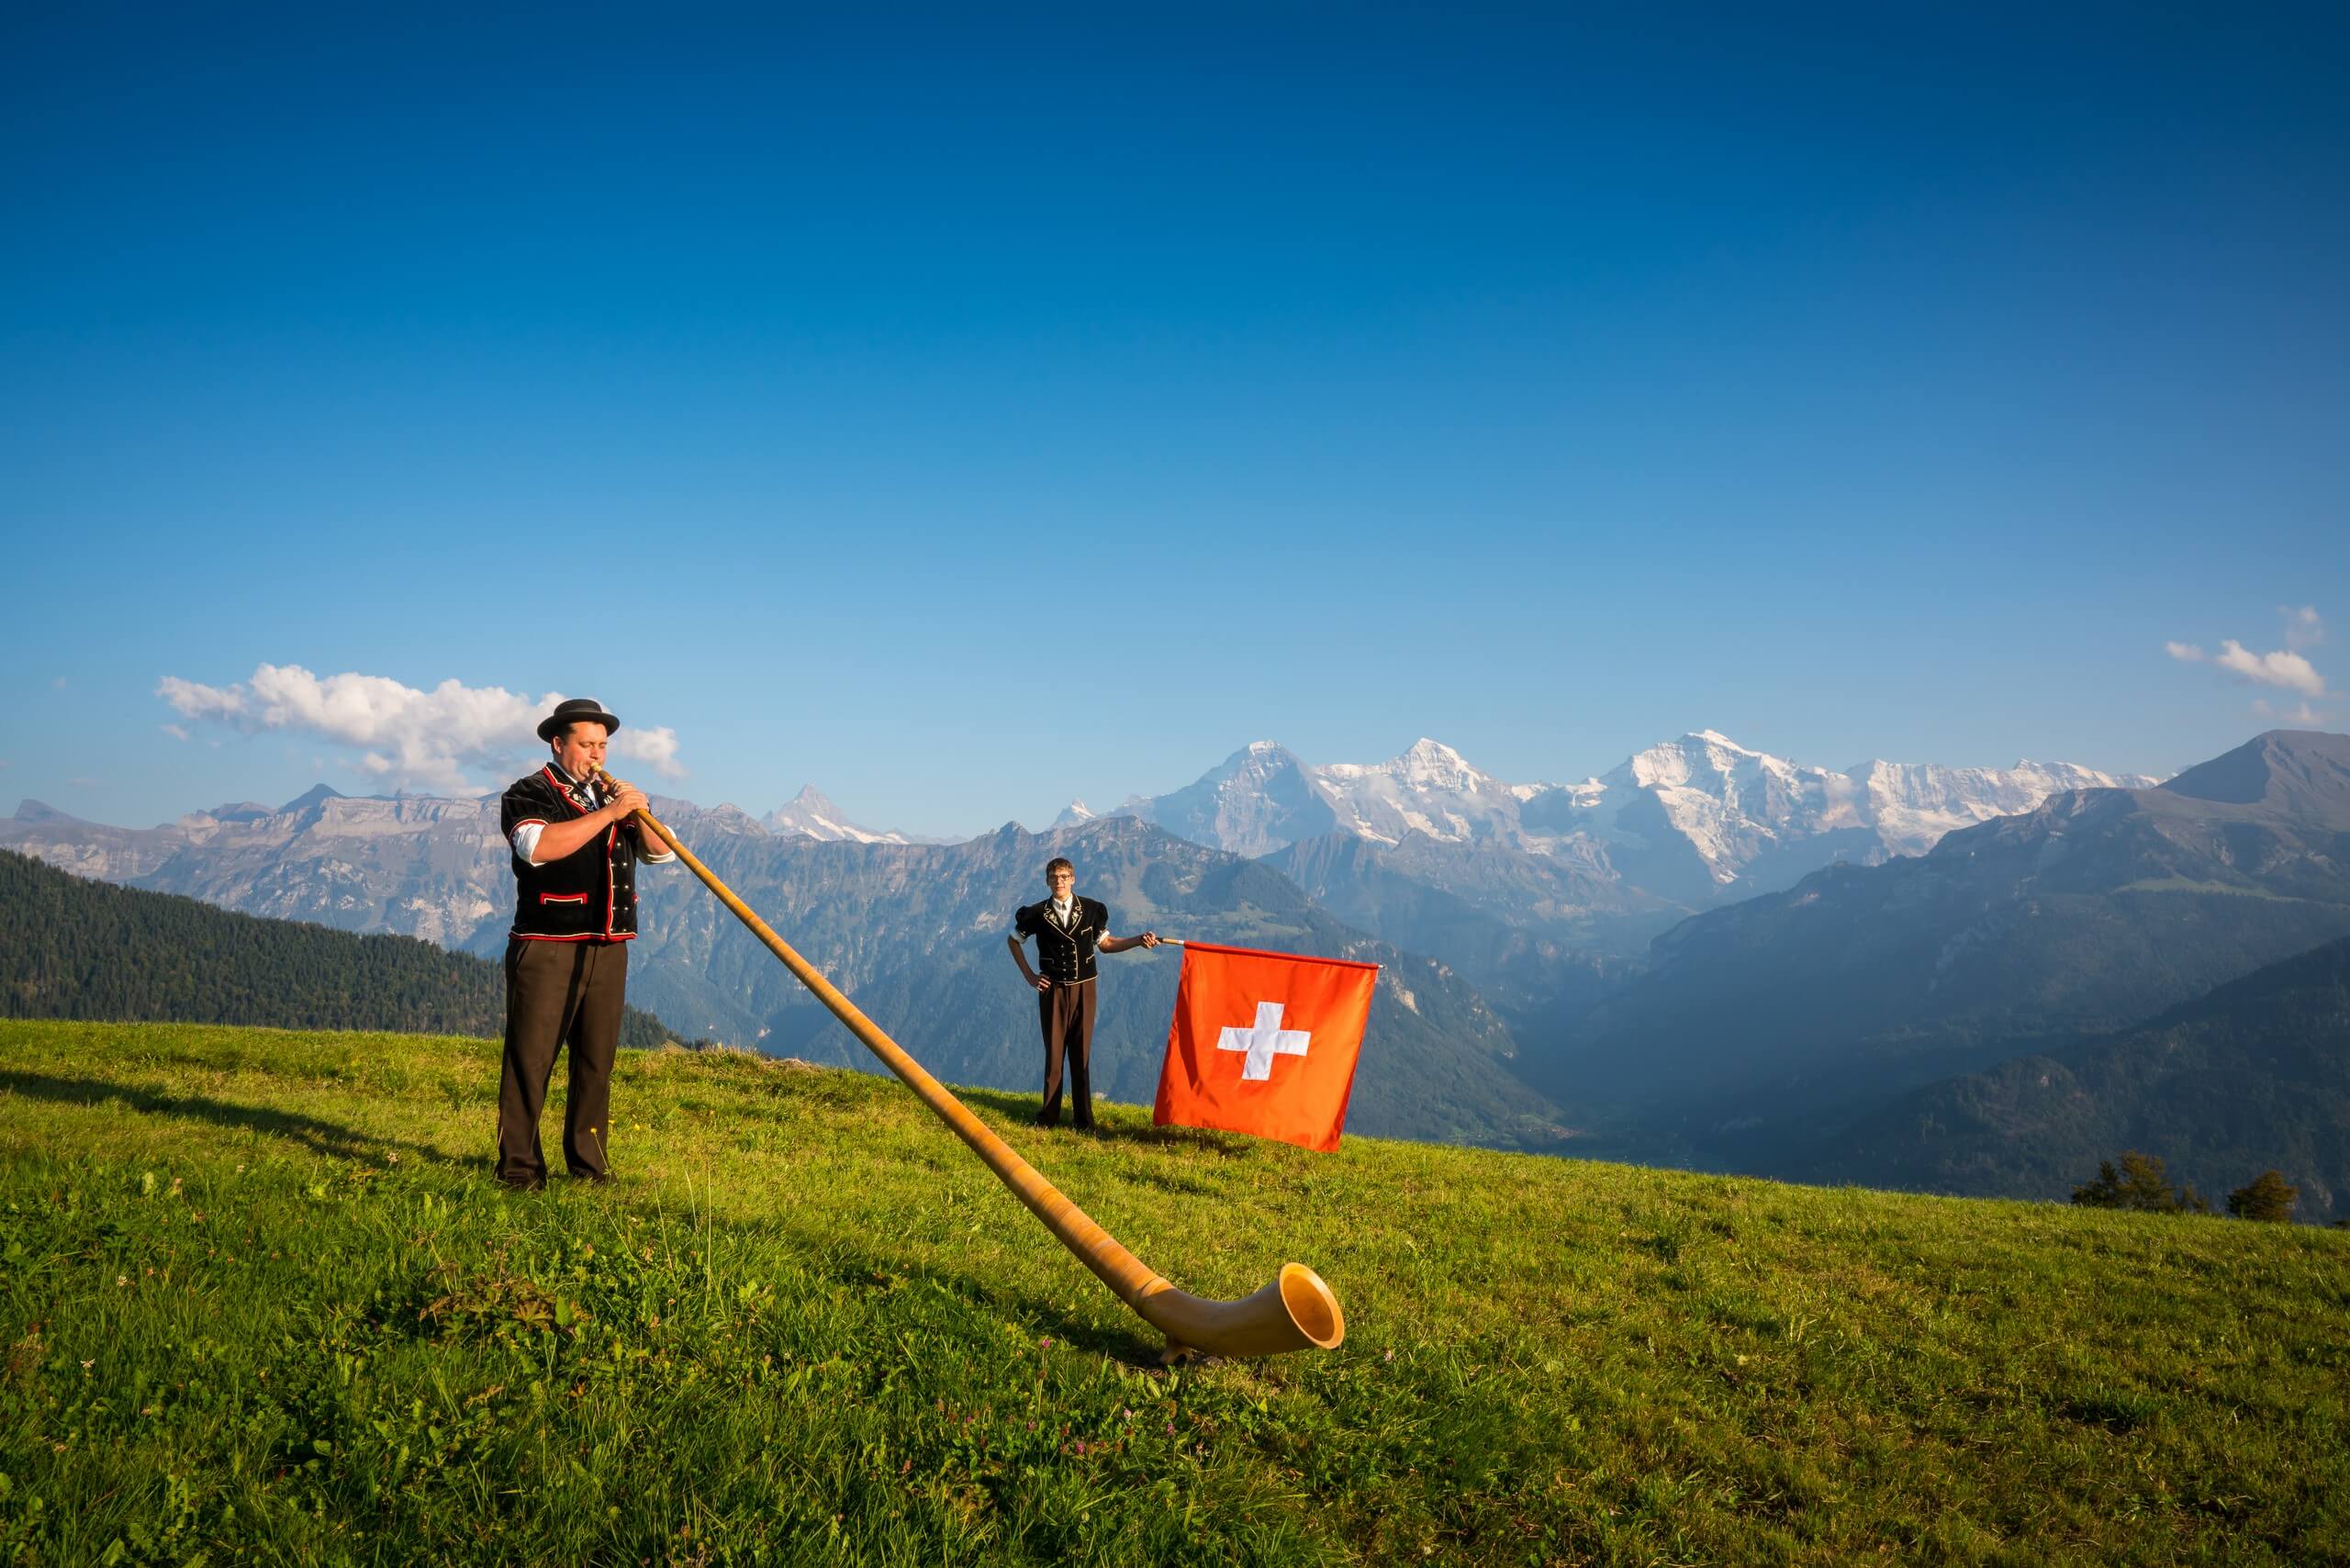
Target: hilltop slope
262,1301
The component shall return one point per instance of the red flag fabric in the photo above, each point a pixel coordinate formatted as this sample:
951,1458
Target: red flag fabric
1264,1043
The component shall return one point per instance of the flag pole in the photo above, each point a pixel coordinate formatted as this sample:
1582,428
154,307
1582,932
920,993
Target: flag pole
1296,1312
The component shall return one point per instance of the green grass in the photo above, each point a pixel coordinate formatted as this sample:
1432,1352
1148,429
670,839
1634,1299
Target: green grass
260,1301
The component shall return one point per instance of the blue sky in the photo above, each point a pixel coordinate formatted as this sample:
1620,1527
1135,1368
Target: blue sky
966,413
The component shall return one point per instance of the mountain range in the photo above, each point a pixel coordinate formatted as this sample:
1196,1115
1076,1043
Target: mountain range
1709,955
913,932
1753,1025
1685,819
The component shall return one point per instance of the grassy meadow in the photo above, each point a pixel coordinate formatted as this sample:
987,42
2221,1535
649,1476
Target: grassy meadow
259,1301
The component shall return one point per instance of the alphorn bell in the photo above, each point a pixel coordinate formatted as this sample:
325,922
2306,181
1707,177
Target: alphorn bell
1296,1312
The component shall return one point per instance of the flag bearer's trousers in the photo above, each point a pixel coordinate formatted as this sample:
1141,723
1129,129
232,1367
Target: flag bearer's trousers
1066,1013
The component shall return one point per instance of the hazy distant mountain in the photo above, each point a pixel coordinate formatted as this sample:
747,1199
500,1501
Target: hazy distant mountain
811,815
1257,799
2090,912
1541,936
2253,1077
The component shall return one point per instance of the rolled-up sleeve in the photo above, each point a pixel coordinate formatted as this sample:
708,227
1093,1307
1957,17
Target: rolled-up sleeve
525,839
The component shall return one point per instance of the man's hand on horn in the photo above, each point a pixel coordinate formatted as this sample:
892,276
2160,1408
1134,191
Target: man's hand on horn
627,799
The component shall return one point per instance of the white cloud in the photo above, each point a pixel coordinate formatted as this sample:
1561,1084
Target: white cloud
2278,668
2285,666
657,748
2303,714
420,740
177,732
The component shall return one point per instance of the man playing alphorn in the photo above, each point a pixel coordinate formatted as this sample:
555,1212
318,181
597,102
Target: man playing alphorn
1068,931
574,853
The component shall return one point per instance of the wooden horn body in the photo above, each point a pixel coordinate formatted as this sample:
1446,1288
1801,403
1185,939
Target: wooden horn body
1296,1312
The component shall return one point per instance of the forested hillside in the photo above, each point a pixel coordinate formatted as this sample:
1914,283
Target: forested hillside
2254,1076
71,949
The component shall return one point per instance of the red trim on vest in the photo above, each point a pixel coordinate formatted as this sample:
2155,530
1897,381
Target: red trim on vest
583,936
611,883
563,788
563,898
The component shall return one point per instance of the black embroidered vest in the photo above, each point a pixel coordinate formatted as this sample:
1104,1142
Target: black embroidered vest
1064,956
589,895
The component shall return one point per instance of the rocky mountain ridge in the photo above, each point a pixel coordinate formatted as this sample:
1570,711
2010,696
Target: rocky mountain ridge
1754,1022
1687,818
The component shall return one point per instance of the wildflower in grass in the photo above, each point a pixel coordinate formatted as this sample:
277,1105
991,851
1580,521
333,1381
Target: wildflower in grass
122,1279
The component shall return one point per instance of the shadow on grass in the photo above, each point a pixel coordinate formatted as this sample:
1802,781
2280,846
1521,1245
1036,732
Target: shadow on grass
1135,1343
1021,1111
327,1138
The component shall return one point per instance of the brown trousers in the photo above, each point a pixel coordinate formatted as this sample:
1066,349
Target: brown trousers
559,993
1066,1014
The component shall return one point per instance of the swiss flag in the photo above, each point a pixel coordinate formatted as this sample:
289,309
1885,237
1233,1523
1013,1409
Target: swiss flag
1264,1043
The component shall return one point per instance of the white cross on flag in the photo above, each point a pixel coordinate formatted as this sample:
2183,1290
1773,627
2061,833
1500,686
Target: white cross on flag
1265,1043
1260,1044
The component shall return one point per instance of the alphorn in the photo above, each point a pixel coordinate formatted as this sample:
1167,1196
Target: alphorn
1296,1312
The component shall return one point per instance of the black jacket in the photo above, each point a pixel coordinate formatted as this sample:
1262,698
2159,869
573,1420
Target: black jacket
589,895
1065,956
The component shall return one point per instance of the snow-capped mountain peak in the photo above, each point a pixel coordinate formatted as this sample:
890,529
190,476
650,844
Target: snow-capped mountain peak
810,814
1691,816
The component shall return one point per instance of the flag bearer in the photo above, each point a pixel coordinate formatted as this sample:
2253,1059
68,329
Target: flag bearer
1068,931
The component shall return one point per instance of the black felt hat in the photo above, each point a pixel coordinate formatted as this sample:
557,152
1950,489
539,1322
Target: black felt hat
576,711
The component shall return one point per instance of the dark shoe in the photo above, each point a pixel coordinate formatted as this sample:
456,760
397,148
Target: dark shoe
1044,1122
